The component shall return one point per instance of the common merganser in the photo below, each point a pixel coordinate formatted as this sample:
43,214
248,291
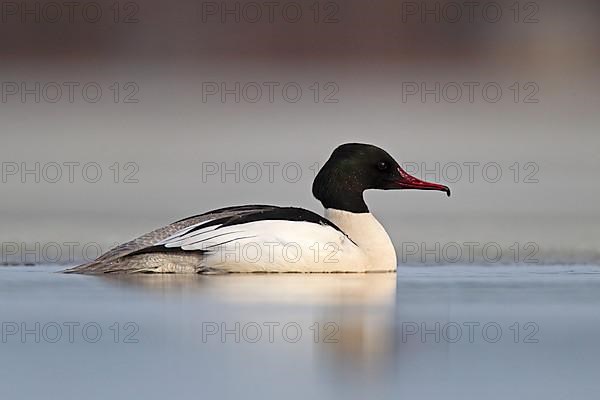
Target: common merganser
264,238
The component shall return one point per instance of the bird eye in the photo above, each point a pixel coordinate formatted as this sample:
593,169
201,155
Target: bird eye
382,165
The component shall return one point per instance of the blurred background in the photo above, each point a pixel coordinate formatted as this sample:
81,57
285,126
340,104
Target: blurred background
120,117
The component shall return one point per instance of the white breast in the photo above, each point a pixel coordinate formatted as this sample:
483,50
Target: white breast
369,235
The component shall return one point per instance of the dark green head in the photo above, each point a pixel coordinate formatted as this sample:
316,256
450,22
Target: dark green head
356,167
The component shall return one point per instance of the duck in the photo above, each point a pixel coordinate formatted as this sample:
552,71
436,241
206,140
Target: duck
271,239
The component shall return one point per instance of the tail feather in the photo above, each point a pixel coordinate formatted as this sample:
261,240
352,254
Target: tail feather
143,263
100,267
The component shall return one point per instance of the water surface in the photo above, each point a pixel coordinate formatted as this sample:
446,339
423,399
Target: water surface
432,332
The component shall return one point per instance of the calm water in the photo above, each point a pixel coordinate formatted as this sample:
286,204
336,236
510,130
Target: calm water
426,332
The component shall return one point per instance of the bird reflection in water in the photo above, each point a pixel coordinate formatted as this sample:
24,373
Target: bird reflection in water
350,318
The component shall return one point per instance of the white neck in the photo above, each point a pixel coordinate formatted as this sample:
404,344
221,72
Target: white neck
369,235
